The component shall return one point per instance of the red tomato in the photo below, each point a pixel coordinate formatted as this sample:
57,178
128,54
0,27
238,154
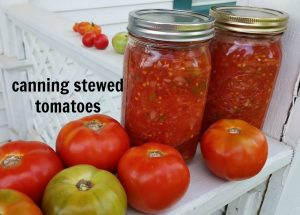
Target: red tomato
98,140
233,149
88,39
101,41
27,166
154,176
13,202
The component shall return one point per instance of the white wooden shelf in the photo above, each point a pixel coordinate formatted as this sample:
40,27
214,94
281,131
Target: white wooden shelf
208,193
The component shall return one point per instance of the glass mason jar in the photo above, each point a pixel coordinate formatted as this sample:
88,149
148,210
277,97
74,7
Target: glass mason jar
166,72
246,57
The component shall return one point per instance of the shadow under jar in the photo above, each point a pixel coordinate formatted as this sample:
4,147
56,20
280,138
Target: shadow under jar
246,57
166,73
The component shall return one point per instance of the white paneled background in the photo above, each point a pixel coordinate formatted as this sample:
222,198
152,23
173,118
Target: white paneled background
112,15
4,131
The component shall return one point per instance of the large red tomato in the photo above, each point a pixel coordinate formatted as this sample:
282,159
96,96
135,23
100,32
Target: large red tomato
13,202
154,176
233,149
98,140
27,166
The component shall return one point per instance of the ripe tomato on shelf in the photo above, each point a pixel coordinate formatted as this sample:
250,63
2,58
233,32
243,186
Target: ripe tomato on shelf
84,190
154,176
85,27
13,202
98,140
27,166
79,27
88,39
101,41
91,28
233,149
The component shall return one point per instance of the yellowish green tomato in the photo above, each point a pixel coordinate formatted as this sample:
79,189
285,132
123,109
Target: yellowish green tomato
13,202
82,190
119,42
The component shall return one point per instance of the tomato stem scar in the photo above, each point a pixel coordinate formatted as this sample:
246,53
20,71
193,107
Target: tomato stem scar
234,130
84,185
155,154
94,125
11,161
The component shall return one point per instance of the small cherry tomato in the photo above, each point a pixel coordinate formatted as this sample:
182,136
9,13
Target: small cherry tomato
154,176
101,41
13,202
88,39
233,149
98,140
82,27
93,28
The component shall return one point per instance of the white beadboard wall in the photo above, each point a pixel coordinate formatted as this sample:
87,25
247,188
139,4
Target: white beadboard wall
4,131
111,15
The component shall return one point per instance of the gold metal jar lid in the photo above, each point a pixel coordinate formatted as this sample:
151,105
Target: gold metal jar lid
251,20
171,25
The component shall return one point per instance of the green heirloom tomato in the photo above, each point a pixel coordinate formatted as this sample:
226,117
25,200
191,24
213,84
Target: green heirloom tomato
119,42
84,190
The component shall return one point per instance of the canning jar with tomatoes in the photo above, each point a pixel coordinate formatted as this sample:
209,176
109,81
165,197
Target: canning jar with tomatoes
246,57
166,71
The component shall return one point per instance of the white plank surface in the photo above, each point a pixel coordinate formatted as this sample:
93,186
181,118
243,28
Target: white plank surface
4,134
243,205
103,16
74,5
249,203
274,191
289,203
1,100
207,193
292,131
3,117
